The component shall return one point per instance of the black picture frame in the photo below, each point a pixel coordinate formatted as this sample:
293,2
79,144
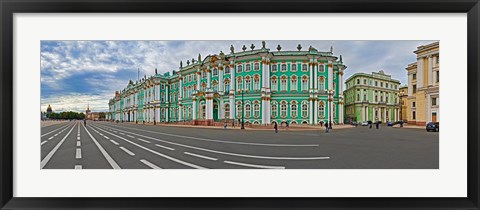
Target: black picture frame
10,7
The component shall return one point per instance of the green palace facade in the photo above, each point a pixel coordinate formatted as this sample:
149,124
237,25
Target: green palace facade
260,86
372,97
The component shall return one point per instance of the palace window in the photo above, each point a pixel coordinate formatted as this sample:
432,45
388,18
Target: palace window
434,101
247,68
413,104
283,109
256,83
204,86
386,85
247,83
414,115
274,110
294,67
283,83
215,85
215,72
358,96
204,74
256,66
239,110
227,86
304,110
414,88
239,69
284,68
227,70
247,110
274,84
321,68
386,98
256,110
364,97
227,111
414,76
293,109
189,93
163,97
239,84
274,67
293,85
304,67
381,84
437,76
376,83
321,110
321,83
364,81
358,81
194,78
195,87
304,83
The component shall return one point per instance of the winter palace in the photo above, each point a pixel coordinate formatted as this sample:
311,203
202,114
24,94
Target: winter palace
260,86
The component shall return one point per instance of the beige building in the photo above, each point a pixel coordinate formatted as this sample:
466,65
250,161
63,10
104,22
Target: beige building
423,101
403,94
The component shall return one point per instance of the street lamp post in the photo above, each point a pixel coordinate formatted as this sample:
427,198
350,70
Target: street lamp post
330,93
243,112
154,122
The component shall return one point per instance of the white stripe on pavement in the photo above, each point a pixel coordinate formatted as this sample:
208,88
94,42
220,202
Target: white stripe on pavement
105,154
78,137
43,142
219,141
130,136
200,156
144,140
55,130
106,137
78,144
232,154
114,142
158,145
254,165
78,154
51,138
151,165
52,152
155,152
127,151
78,166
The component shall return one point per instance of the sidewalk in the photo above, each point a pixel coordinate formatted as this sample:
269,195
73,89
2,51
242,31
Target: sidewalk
253,127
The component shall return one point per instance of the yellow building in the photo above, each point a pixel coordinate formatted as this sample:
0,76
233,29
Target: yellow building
423,86
403,94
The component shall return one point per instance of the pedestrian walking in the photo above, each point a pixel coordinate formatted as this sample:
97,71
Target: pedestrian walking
85,122
286,124
376,124
370,123
275,126
326,127
401,123
225,125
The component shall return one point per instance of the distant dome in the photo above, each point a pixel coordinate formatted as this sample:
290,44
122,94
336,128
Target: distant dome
49,109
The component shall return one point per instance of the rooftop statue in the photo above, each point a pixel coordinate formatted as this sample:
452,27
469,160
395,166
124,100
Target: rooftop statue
279,47
299,47
252,46
199,57
232,49
263,44
181,64
188,62
244,48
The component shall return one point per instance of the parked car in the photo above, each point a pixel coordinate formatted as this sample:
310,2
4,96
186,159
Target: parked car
394,123
354,123
364,123
433,126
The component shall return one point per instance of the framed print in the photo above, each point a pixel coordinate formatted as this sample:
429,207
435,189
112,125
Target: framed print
238,105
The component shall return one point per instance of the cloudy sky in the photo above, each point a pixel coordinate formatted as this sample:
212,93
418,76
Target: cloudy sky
75,74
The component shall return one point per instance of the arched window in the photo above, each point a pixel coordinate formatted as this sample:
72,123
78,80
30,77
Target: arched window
195,87
204,86
304,67
247,83
304,83
239,110
247,110
247,68
239,84
321,68
293,83
294,67
321,109
239,69
304,110
283,83
227,111
274,110
274,84
227,70
293,109
227,85
256,110
321,83
256,67
256,83
283,109
215,72
284,68
215,85
274,67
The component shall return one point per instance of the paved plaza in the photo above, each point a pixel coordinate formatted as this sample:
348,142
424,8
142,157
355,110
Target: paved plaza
107,145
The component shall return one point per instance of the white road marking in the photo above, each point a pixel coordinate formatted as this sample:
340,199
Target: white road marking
122,133
254,165
157,153
78,137
114,142
127,151
78,154
144,140
56,134
52,152
51,138
65,126
151,165
78,166
221,141
130,136
79,144
105,154
106,137
158,145
43,142
200,156
232,154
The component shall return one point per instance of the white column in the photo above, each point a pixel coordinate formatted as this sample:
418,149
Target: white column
430,70
315,112
310,114
209,77
233,80
264,110
209,109
220,79
420,73
233,107
221,110
315,79
269,111
311,75
342,116
384,114
363,114
166,114
180,113
194,107
157,114
198,80
180,91
268,80
429,109
330,75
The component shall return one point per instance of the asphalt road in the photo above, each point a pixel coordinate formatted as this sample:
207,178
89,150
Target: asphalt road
106,145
